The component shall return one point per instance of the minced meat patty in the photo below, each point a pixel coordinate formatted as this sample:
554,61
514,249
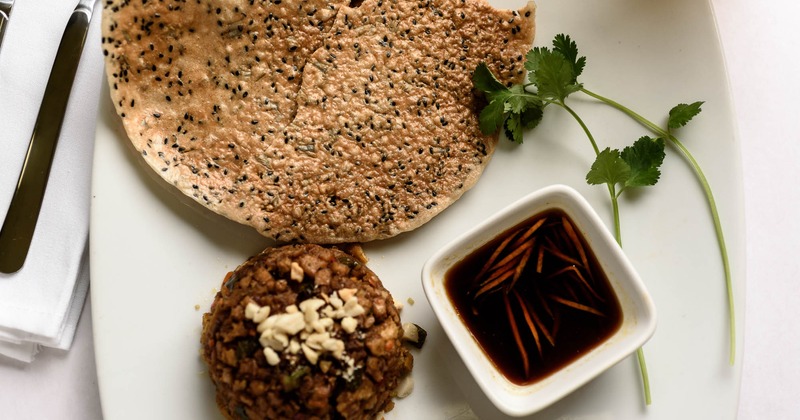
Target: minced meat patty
304,332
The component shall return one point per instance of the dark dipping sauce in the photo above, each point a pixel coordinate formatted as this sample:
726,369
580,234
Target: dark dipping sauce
539,303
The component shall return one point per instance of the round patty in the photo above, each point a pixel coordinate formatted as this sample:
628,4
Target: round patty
328,346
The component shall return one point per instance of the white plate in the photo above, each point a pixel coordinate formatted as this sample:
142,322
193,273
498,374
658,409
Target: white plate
157,258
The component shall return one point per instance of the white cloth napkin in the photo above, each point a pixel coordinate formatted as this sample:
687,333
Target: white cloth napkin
40,305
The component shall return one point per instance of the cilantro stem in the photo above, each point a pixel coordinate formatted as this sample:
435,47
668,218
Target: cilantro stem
582,124
720,239
645,376
642,120
615,209
618,236
639,352
611,188
709,198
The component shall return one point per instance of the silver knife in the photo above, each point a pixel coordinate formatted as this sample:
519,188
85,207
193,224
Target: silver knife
5,13
23,212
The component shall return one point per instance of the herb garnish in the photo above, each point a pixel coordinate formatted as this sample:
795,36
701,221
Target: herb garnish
553,76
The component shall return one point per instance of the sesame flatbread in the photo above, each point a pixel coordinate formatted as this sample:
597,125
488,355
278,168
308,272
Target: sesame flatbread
312,121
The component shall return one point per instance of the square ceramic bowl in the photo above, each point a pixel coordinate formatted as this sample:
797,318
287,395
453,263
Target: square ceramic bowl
638,311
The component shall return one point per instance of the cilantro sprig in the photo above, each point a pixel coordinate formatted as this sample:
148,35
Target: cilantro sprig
637,165
552,78
634,166
511,108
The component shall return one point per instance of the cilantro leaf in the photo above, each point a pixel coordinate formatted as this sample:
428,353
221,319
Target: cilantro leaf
519,100
491,116
484,80
683,113
567,47
532,116
512,108
608,168
644,158
552,73
532,60
525,112
513,128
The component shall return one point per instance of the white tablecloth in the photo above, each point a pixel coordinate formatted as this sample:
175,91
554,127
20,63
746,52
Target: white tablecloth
761,40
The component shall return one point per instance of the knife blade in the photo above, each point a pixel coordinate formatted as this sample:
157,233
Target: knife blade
23,212
5,14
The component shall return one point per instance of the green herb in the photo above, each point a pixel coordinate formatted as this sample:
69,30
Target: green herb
245,347
291,381
635,166
552,77
679,115
512,108
682,114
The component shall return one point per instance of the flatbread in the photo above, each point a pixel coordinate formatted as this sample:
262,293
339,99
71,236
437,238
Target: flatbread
312,121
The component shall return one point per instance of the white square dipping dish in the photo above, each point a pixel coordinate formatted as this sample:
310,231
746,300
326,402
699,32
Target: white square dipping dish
638,311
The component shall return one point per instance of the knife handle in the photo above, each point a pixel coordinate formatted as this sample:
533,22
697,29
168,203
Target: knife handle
23,212
5,14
